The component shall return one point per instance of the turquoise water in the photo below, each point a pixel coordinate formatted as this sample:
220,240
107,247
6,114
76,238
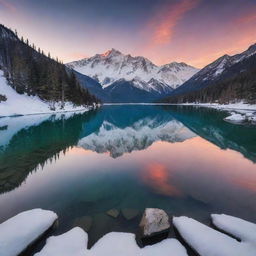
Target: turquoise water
185,160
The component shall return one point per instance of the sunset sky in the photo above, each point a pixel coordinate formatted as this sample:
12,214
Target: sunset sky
193,31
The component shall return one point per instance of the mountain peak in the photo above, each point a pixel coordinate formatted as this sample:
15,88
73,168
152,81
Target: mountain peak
112,52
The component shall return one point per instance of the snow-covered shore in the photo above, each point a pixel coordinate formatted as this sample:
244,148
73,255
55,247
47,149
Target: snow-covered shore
21,104
239,112
232,106
21,230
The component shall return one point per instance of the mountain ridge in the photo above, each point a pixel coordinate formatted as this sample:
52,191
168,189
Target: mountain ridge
215,71
113,65
226,80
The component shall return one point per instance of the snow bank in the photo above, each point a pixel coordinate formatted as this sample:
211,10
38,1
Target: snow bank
209,242
74,243
241,111
21,104
235,106
242,229
234,117
17,233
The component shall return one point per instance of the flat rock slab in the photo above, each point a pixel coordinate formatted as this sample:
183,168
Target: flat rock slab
130,213
113,213
84,222
154,221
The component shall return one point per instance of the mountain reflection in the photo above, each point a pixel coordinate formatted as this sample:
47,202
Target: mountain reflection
28,142
141,134
208,124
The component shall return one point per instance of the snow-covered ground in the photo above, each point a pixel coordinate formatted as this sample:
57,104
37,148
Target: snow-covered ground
21,104
17,233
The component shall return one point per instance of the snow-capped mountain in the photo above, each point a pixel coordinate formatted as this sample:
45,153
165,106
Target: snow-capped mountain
143,133
222,68
215,69
111,66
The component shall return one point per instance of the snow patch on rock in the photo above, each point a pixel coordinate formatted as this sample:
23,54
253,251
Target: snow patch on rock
209,242
18,232
242,229
73,242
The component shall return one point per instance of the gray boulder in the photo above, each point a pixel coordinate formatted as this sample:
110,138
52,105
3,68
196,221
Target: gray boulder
154,221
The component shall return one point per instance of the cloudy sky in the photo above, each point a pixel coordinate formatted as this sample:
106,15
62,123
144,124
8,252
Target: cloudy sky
193,31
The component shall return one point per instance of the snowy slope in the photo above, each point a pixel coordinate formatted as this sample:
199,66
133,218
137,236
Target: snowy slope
216,68
112,66
21,104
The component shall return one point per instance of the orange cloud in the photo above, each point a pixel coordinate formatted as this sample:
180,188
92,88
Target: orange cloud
163,24
158,177
8,6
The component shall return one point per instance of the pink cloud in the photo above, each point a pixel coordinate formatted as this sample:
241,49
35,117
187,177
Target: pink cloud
164,22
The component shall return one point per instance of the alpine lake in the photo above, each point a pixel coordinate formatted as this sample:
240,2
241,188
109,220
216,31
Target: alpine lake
100,169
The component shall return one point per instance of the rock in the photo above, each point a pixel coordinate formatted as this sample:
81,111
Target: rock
154,221
84,222
130,213
113,213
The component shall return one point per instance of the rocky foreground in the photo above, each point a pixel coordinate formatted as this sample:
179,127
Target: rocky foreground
19,232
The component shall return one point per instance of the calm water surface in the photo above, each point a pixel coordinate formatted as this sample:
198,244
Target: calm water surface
185,160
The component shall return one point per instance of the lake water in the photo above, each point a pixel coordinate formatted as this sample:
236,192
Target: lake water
185,160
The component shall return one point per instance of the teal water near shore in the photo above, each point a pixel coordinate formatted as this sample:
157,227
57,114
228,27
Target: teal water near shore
183,159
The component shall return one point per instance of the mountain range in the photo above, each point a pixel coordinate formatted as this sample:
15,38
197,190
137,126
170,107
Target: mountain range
132,79
116,77
123,78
